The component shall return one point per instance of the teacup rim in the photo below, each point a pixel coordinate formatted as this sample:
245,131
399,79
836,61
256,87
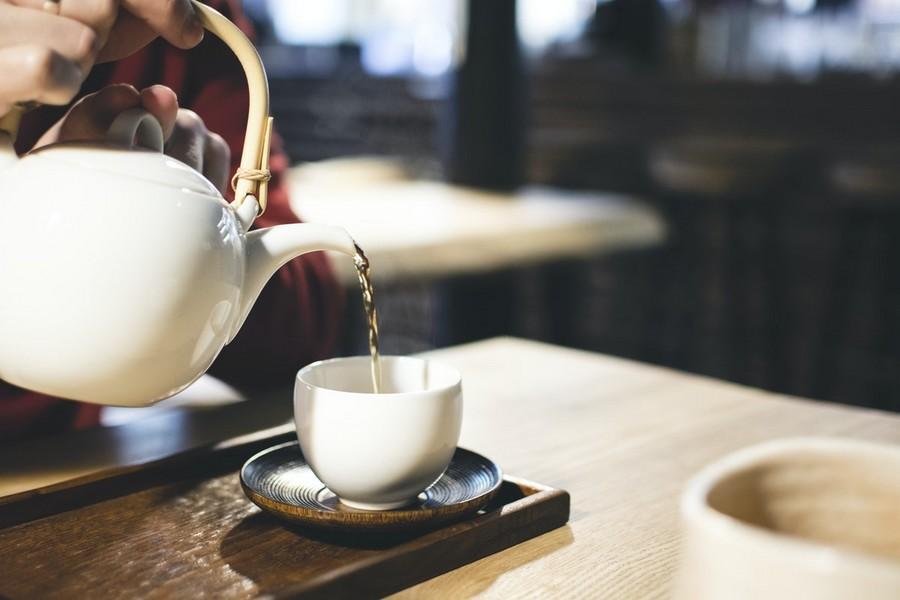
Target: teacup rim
695,507
456,375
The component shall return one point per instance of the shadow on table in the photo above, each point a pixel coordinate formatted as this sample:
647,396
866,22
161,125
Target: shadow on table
528,551
278,556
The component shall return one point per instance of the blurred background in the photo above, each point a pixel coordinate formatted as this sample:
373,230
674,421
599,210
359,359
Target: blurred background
710,185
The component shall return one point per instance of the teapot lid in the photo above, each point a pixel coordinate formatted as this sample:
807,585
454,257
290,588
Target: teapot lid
136,163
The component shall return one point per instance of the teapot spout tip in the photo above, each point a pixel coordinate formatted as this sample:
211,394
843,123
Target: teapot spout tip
334,238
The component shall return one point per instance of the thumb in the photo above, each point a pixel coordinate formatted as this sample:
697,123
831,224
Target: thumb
90,117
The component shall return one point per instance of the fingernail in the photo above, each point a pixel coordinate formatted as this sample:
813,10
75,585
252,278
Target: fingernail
66,74
66,81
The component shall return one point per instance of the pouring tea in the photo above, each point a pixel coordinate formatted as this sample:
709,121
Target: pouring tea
129,271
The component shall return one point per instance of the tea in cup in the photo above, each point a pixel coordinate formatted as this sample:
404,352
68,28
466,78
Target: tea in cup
812,518
378,451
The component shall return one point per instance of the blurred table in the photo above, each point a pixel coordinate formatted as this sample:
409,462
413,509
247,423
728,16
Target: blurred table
413,230
621,437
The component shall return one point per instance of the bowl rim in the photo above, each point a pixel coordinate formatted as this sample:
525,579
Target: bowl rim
697,512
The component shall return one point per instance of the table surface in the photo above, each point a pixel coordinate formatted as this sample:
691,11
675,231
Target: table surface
413,230
621,437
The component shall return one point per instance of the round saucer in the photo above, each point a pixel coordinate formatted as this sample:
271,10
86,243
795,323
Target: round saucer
280,482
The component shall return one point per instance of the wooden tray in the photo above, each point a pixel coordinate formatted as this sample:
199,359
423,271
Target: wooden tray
182,527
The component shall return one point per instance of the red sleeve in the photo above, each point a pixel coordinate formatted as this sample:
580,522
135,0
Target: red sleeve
296,319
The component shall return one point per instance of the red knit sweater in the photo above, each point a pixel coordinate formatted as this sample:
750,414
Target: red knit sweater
295,320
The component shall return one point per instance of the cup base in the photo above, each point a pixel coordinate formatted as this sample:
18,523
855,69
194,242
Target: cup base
376,505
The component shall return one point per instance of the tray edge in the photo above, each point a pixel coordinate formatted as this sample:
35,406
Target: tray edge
542,511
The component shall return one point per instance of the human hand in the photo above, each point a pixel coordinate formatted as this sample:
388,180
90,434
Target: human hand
46,55
187,138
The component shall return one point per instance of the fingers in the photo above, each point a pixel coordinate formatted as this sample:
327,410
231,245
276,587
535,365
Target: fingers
162,103
132,32
88,30
40,74
99,15
70,39
90,117
187,137
194,145
128,35
124,26
187,142
174,20
217,161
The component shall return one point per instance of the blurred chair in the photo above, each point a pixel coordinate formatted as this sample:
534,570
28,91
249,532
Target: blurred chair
718,166
858,365
720,304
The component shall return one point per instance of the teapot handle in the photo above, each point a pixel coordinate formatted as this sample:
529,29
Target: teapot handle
136,127
252,177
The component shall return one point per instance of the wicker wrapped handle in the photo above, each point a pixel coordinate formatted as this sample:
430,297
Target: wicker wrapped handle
252,177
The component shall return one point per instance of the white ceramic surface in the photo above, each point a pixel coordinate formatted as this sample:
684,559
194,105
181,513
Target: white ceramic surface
124,271
802,518
378,452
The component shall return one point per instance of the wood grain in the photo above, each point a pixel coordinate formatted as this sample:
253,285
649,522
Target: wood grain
621,437
197,535
200,462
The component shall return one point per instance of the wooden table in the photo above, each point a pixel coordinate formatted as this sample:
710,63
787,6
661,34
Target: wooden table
418,230
621,437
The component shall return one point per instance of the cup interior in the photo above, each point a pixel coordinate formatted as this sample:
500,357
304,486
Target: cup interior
846,500
399,375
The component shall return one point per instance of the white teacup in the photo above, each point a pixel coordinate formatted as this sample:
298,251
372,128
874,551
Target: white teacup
378,451
811,518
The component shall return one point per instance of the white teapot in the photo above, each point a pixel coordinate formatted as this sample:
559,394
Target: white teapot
123,272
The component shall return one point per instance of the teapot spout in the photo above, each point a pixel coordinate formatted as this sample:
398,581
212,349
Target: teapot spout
268,249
